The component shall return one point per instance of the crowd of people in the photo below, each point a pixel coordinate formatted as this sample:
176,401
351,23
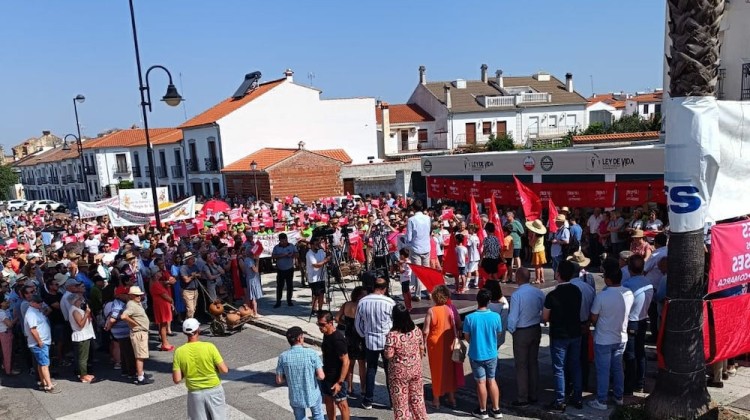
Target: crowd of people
72,286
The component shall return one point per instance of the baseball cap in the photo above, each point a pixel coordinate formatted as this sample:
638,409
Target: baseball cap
61,279
294,332
190,326
73,282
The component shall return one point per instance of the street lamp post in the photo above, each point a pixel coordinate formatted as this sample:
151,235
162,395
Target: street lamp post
254,167
79,99
172,98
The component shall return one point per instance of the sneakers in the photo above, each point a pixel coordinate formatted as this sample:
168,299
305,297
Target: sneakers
146,381
555,406
496,413
595,404
52,390
480,414
367,405
618,402
117,366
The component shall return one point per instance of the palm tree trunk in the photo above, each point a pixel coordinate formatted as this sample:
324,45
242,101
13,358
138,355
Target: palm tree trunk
680,390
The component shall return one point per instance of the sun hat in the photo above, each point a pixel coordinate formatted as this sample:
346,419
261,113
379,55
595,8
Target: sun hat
565,208
190,326
579,259
560,218
537,227
60,279
637,234
135,290
187,255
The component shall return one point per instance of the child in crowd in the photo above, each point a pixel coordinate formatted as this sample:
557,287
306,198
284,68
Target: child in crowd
508,252
472,268
462,254
405,277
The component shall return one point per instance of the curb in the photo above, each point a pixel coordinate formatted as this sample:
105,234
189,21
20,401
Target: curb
278,329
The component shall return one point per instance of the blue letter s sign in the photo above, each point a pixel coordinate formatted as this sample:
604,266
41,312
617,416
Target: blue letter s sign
684,199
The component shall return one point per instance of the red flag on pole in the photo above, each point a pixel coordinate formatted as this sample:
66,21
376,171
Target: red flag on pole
428,276
532,205
477,220
450,263
552,215
495,219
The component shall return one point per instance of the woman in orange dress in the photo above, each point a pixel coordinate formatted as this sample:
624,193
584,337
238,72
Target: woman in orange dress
439,333
162,302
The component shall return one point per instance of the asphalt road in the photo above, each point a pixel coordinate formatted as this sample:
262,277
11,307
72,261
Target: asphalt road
250,389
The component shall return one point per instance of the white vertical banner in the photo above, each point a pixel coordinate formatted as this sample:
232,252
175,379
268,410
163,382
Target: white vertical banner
140,199
692,159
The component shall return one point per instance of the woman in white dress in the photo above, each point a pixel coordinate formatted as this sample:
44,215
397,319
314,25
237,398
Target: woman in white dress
83,334
253,289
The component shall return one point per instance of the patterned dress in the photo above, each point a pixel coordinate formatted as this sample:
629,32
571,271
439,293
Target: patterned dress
405,374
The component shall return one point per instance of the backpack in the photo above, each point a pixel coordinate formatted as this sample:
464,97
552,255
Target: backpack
574,245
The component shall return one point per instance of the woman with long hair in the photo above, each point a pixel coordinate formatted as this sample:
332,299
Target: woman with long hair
440,326
253,290
404,349
355,343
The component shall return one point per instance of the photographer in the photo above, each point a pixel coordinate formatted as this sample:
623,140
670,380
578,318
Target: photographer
316,262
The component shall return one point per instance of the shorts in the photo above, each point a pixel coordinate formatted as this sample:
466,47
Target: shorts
484,369
461,271
41,354
509,262
489,265
472,267
325,389
406,287
318,288
516,252
139,340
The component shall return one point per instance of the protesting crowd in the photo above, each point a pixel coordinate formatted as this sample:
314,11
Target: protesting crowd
71,287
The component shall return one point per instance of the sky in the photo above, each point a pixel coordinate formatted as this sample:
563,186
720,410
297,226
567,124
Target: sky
52,50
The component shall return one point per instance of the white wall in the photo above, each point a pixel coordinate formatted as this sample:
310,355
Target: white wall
734,50
290,113
460,120
433,142
200,136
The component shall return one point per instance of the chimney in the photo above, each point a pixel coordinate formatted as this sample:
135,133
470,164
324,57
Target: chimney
45,133
484,73
569,82
288,73
447,89
499,78
385,116
422,77
301,145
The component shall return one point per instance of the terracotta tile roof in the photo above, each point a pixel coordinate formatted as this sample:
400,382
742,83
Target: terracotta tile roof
134,137
614,100
404,113
48,156
465,100
648,97
616,137
269,156
229,105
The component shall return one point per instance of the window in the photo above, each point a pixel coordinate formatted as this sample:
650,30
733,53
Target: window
645,109
422,133
122,163
553,121
657,108
487,128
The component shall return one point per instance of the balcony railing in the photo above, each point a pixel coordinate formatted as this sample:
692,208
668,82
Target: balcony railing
161,171
513,100
54,180
79,178
212,165
136,171
90,170
192,166
147,171
121,170
69,179
551,132
41,180
177,171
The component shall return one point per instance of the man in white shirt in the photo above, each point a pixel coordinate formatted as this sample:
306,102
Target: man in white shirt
92,244
418,242
609,313
316,260
560,240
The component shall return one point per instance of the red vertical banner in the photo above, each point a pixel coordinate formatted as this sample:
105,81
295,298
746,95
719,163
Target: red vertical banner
500,191
475,189
572,194
657,192
631,193
456,190
545,192
601,194
435,188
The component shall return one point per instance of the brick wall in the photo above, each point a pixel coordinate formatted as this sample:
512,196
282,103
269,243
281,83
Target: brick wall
243,184
308,175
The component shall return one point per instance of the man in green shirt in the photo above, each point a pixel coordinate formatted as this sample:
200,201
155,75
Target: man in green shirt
200,364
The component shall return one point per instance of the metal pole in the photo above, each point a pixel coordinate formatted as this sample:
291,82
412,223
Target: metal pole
80,152
143,89
255,181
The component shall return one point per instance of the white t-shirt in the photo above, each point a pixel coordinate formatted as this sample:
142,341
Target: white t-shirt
613,306
593,223
315,275
80,334
473,244
406,273
3,317
92,245
461,254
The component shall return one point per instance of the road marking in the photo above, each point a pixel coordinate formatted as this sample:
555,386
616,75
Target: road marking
235,414
167,393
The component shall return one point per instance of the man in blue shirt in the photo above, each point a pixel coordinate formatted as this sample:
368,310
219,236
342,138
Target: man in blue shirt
481,329
284,254
418,241
301,368
524,317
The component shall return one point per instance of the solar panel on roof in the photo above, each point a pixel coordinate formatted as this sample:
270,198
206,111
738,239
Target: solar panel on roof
250,83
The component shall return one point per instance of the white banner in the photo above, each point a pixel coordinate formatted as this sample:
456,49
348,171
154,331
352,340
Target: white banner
87,210
729,197
140,199
185,209
270,241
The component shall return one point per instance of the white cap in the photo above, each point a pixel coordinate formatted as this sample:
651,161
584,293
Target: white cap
190,326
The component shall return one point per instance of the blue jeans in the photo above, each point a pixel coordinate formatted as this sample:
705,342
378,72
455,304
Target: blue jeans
608,360
566,355
556,263
371,358
316,410
484,369
635,356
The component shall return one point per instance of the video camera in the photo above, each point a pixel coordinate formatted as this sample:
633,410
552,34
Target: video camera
322,232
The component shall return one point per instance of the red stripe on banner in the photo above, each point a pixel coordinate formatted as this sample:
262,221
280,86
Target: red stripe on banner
730,327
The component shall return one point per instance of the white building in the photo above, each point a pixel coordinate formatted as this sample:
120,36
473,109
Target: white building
647,105
53,174
605,108
278,113
466,112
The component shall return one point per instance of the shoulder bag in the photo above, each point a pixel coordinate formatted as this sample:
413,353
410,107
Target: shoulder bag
458,348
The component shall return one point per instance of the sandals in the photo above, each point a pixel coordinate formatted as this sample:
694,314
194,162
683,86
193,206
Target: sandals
162,348
51,390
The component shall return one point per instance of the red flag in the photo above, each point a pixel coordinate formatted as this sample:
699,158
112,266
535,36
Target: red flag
428,276
532,205
450,264
495,219
477,220
551,225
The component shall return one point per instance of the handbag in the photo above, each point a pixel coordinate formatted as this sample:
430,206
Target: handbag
458,347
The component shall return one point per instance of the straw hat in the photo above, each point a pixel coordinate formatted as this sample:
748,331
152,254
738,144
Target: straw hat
579,259
135,291
637,234
560,218
537,227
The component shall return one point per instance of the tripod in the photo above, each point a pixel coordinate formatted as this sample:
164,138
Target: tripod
333,272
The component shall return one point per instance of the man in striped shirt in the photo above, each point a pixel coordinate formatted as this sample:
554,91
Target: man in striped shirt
373,322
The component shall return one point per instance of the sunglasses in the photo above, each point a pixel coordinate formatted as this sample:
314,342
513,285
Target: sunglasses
321,324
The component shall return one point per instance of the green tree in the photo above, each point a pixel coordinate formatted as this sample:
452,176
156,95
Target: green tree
8,179
500,143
